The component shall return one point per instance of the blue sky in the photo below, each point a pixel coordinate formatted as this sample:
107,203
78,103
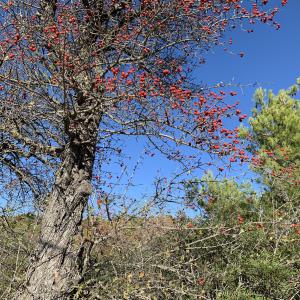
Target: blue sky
271,61
272,57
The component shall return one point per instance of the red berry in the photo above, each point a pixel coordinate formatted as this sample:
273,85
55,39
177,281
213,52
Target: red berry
166,72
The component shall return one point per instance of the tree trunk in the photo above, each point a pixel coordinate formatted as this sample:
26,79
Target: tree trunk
55,265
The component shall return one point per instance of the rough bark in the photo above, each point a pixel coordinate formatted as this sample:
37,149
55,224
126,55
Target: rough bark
55,266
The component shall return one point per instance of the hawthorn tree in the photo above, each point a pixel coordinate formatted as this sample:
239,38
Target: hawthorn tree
76,74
